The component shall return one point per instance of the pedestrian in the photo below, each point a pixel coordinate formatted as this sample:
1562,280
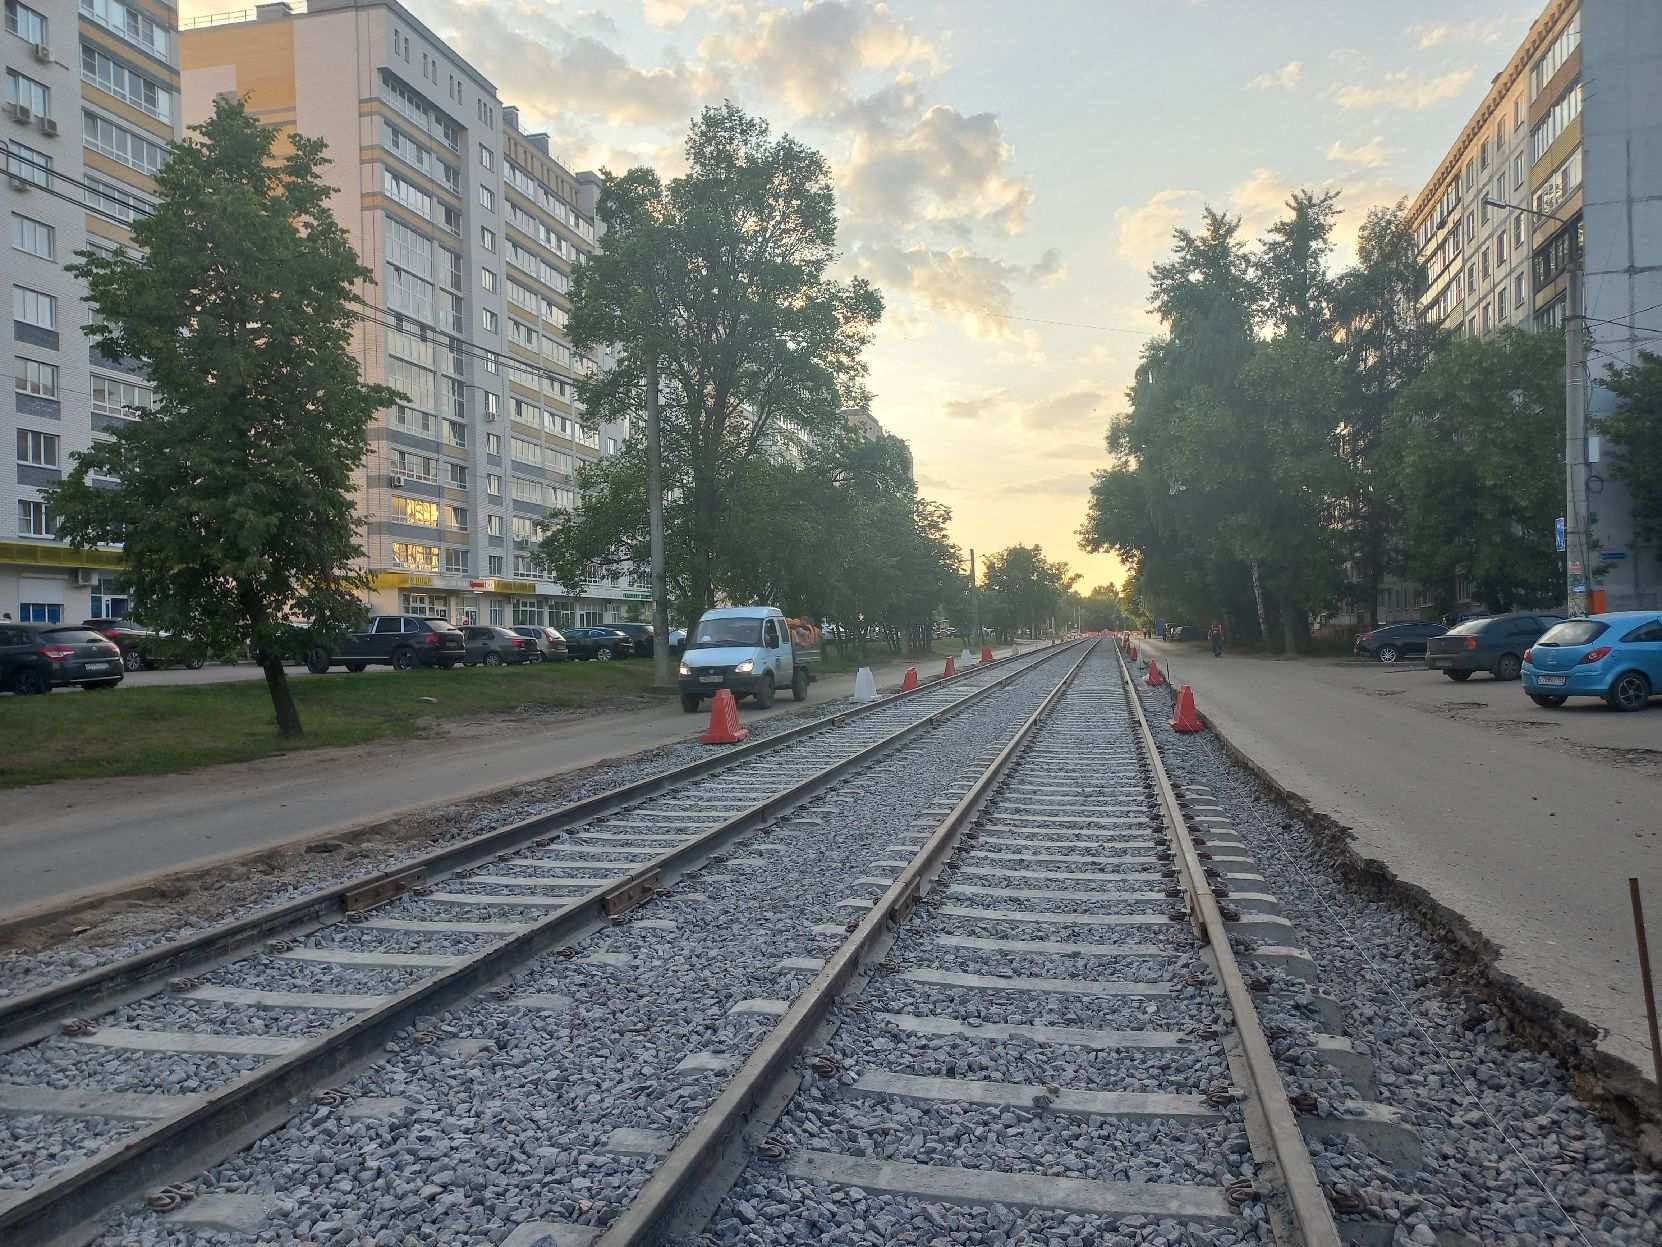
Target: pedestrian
1215,632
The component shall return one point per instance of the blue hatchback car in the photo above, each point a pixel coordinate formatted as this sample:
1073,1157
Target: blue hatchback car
1616,656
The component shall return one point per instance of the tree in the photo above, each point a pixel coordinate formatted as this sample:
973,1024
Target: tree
721,275
1023,590
1635,433
234,499
1474,455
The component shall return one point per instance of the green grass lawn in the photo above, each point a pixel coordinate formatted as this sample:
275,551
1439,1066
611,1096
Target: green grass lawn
878,654
152,731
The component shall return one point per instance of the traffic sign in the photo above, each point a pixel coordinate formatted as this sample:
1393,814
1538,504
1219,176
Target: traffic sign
1613,556
1558,532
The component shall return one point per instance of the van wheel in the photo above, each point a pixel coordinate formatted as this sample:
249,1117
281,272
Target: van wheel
317,662
799,684
764,694
690,703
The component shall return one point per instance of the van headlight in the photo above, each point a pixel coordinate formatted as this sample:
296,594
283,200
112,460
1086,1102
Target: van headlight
685,670
745,667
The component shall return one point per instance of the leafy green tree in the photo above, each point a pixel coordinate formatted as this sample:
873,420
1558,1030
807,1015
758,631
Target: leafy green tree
1101,610
722,276
1474,456
1291,267
1023,590
1635,434
234,499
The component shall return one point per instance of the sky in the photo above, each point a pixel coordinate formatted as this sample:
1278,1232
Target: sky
1007,173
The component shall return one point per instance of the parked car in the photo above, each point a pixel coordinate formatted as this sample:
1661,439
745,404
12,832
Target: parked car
493,646
1389,642
600,643
400,641
640,636
169,649
36,658
131,638
551,645
1616,656
749,650
1494,643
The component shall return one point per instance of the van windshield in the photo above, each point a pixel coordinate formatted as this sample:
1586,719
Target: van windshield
712,633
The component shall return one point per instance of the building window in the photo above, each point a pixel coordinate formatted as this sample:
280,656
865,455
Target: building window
407,193
1565,109
487,199
1500,304
111,199
33,307
39,450
1483,212
1554,57
494,564
100,134
1517,230
129,23
1518,171
1471,226
33,237
407,463
1551,316
125,84
24,22
488,321
109,599
487,280
1560,184
30,376
1484,261
40,612
419,511
1485,316
456,562
486,159
412,554
24,90
112,396
456,474
29,165
33,519
1483,155
493,525
493,485
1561,253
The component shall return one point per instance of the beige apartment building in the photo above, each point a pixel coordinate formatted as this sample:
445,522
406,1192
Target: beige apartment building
91,103
472,227
1568,138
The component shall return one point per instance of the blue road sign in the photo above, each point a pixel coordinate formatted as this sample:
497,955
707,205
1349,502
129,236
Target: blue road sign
1558,532
1612,556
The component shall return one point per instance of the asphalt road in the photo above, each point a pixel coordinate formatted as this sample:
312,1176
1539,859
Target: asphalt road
1526,821
85,836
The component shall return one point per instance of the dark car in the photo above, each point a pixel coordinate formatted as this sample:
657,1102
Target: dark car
36,658
599,643
1389,642
494,646
640,636
1495,643
131,638
551,645
400,641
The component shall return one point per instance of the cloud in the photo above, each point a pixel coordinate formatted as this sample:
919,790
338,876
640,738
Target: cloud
1069,409
975,290
937,166
1073,483
806,56
1373,154
664,13
1283,79
1145,232
1076,450
1483,30
1404,89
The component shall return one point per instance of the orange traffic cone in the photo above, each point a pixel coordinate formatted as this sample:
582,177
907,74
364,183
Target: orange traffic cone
951,668
1155,679
1187,719
724,726
911,680
986,653
1133,653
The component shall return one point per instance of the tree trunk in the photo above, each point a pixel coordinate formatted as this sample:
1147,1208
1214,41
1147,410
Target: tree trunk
1258,596
662,674
282,699
1289,623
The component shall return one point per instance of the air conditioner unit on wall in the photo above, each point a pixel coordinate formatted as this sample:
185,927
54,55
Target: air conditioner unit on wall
48,127
17,183
43,54
20,113
397,482
84,577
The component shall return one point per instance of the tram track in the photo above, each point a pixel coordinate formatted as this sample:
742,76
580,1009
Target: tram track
491,903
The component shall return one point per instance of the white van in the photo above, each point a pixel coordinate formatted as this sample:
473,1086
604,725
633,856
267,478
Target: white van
747,649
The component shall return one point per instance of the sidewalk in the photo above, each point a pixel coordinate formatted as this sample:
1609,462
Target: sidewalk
80,836
1525,821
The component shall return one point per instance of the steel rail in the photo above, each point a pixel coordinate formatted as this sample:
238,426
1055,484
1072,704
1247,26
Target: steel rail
31,1015
1308,1215
214,1125
686,1172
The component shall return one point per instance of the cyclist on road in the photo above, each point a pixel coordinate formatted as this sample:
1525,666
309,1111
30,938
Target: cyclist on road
1215,633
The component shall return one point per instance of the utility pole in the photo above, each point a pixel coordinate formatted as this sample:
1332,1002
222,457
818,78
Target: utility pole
975,600
662,676
1577,561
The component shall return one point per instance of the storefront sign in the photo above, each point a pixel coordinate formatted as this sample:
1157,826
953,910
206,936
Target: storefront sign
515,586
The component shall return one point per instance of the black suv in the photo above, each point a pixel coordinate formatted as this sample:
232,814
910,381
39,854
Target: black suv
36,658
1392,641
639,634
401,641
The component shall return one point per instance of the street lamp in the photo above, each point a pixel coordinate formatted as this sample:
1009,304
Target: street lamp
1577,559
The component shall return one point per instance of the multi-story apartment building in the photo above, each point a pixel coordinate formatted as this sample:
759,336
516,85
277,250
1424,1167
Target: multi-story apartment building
471,227
92,100
1571,130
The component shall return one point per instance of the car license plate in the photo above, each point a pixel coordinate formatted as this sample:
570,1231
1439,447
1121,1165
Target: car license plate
1439,662
98,666
709,679
1552,681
